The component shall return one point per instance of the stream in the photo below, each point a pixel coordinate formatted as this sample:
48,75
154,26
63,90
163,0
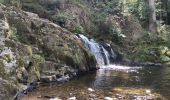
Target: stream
110,82
100,85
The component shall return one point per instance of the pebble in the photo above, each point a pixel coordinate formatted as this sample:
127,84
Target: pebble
56,98
90,89
72,98
108,98
92,95
148,91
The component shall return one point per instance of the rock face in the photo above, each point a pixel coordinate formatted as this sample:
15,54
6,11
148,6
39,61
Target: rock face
35,49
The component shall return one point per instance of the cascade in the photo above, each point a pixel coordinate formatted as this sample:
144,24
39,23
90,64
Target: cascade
101,54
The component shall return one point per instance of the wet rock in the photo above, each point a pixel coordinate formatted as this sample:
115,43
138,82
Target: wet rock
113,56
63,78
148,91
72,98
48,79
49,97
108,98
30,88
56,98
90,90
92,95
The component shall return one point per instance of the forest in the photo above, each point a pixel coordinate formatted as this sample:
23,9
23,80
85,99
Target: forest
84,49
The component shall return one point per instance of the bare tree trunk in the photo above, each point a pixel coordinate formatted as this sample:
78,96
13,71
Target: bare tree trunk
152,18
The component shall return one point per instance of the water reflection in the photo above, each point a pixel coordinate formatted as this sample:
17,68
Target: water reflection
105,79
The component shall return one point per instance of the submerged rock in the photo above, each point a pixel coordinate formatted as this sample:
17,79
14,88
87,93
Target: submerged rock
136,94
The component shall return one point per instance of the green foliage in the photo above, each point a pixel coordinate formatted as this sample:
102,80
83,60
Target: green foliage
139,8
114,6
143,11
100,21
164,33
12,34
79,3
34,7
2,70
1,1
37,59
3,73
79,30
15,3
61,18
20,62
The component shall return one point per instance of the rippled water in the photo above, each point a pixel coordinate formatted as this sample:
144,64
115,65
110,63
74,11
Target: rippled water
105,79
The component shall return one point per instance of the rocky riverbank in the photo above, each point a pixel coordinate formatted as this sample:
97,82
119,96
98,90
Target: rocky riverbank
34,49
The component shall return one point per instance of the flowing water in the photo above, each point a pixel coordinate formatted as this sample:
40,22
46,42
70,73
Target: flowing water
100,53
155,79
110,81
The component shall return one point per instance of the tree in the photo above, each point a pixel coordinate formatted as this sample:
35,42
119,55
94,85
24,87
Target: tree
152,17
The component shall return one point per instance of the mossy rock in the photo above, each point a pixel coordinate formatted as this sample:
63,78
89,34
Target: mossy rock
3,73
167,53
8,89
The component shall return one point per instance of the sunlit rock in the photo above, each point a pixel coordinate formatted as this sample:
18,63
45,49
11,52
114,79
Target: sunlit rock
148,91
90,89
108,98
136,93
56,98
72,98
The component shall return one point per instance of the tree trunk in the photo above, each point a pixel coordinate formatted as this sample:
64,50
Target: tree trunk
152,17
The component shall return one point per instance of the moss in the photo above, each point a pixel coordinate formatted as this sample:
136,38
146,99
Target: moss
8,57
20,62
91,61
3,73
10,33
66,47
79,30
29,49
36,60
78,59
10,43
69,60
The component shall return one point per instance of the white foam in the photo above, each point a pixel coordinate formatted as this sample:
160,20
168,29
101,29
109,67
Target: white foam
121,68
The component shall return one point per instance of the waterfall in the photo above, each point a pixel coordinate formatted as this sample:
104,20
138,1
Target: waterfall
101,54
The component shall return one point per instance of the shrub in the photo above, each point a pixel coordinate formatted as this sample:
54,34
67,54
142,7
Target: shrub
79,29
61,18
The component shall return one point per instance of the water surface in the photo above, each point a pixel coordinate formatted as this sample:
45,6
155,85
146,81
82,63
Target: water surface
156,79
